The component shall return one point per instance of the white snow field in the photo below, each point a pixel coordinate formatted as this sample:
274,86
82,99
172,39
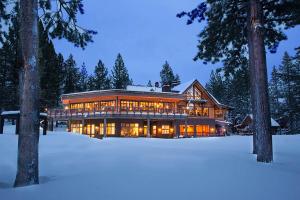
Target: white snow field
76,167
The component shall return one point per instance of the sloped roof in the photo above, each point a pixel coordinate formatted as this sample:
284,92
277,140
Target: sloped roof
181,88
274,123
140,88
185,86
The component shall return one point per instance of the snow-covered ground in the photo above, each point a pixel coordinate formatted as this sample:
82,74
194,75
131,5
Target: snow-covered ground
74,167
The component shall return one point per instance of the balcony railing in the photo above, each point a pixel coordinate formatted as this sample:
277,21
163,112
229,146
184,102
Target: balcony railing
111,111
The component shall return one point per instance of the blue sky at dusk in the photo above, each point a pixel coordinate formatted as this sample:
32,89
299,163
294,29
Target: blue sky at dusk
147,33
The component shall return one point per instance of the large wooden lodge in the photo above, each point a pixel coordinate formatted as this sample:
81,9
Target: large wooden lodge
187,110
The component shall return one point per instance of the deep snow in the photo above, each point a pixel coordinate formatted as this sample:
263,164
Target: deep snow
74,167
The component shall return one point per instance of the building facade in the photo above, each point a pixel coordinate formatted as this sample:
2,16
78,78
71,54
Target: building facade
187,110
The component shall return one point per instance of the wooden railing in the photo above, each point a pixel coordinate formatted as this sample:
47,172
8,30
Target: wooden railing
113,112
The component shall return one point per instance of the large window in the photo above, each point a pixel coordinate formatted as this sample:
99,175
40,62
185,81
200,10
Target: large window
218,113
129,105
130,129
165,129
202,130
193,93
76,128
110,129
204,112
189,130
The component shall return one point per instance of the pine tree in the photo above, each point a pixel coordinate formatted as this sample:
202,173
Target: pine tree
72,76
50,71
60,22
101,79
167,76
83,78
10,65
149,84
275,91
120,77
216,86
289,75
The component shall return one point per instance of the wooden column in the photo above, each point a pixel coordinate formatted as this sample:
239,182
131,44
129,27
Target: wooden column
174,129
51,125
185,128
118,128
17,126
69,126
177,129
1,124
104,127
148,128
45,126
195,131
84,130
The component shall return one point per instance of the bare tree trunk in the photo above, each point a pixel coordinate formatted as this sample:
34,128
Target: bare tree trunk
252,79
259,85
28,172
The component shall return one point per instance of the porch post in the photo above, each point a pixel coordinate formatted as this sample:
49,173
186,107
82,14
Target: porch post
17,125
104,127
84,131
51,124
195,131
185,128
1,124
174,129
148,127
69,126
45,126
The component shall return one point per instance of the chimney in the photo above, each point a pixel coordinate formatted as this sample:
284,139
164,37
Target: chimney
166,88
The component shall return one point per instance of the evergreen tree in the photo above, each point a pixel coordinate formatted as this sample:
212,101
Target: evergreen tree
83,78
289,75
120,77
235,28
72,76
50,71
10,65
149,84
167,76
100,79
275,91
216,85
232,90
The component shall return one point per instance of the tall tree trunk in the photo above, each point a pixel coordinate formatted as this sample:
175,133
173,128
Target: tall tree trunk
27,171
259,84
252,79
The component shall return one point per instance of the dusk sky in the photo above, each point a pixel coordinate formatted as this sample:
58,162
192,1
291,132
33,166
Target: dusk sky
147,33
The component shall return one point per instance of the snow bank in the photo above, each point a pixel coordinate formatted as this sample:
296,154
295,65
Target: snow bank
77,167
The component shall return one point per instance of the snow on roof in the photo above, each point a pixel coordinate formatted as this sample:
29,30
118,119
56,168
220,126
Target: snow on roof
10,112
273,121
141,88
183,86
13,112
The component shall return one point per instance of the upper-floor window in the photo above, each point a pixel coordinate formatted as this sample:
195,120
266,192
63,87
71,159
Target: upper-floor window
218,113
193,93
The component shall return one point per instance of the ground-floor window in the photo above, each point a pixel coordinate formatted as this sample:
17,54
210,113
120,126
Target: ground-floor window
190,130
202,130
110,129
90,130
165,129
130,129
76,128
154,130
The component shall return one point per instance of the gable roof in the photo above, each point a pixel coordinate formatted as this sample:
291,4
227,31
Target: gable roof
182,88
274,123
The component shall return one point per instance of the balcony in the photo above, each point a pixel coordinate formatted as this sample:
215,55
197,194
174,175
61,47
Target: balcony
112,112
